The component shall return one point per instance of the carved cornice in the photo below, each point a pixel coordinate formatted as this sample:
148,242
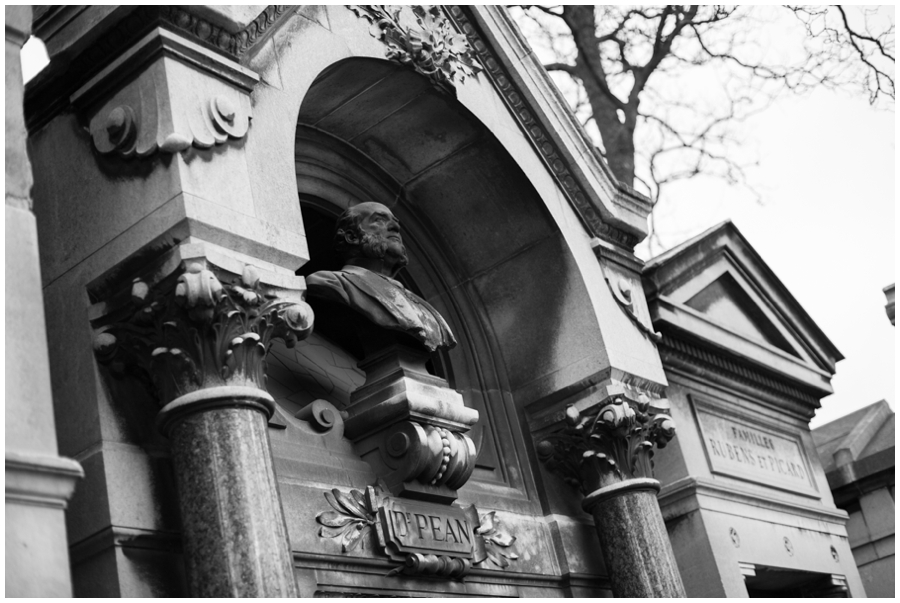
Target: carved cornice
607,447
433,49
199,328
673,348
536,134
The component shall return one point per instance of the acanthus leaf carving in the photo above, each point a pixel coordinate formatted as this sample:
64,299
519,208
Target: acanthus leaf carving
432,46
193,331
611,444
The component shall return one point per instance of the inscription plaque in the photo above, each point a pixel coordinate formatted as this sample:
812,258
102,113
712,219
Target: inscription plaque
410,527
753,453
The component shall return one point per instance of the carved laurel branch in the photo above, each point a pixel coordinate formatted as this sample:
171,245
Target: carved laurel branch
497,542
201,333
212,123
351,520
434,48
618,440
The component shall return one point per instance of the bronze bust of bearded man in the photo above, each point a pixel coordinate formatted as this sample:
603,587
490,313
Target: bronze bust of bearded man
368,241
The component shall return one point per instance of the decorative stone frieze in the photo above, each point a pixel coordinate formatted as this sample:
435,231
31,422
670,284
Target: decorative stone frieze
234,43
431,46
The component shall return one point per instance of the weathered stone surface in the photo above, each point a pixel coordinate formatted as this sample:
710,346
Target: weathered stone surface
235,539
18,169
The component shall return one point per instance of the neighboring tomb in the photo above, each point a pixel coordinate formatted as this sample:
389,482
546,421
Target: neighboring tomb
857,453
744,496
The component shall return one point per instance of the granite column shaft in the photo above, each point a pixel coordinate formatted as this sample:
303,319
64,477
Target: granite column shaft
235,537
634,540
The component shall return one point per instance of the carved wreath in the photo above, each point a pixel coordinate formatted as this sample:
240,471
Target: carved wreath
433,48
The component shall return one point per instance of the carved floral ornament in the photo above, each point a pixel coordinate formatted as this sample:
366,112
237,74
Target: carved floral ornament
613,444
358,520
201,332
431,46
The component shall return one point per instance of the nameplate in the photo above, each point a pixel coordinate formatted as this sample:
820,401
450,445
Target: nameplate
747,451
419,527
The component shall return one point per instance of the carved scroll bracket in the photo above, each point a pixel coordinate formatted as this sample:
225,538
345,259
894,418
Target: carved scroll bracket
411,427
199,320
608,447
167,94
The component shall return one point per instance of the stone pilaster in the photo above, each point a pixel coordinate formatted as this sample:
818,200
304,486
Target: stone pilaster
38,481
605,453
194,329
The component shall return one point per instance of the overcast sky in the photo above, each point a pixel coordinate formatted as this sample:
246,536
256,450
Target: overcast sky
825,227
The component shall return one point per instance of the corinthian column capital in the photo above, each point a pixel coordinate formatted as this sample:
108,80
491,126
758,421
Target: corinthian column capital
609,444
196,323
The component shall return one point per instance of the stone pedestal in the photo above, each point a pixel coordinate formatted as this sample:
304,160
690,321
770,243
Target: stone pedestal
606,454
634,541
235,539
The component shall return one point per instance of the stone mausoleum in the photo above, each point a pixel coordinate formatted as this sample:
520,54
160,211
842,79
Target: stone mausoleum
341,301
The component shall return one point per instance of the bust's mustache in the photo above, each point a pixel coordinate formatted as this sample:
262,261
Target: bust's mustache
378,247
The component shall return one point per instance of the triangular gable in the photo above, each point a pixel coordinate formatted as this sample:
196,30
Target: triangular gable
716,287
726,302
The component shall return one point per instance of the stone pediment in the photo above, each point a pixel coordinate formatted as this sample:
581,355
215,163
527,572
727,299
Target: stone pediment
716,289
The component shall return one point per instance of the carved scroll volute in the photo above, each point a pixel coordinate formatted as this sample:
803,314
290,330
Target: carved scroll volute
201,326
612,443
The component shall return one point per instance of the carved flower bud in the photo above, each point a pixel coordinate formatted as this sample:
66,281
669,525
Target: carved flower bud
298,317
139,292
250,277
545,449
572,415
663,430
198,287
105,346
616,415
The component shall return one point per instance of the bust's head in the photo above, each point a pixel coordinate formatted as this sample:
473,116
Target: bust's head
368,235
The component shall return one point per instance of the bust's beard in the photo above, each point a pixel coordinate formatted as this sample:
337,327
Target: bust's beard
382,248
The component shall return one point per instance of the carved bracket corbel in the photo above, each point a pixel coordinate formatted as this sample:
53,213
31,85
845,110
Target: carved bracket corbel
610,444
213,122
193,324
411,427
166,94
